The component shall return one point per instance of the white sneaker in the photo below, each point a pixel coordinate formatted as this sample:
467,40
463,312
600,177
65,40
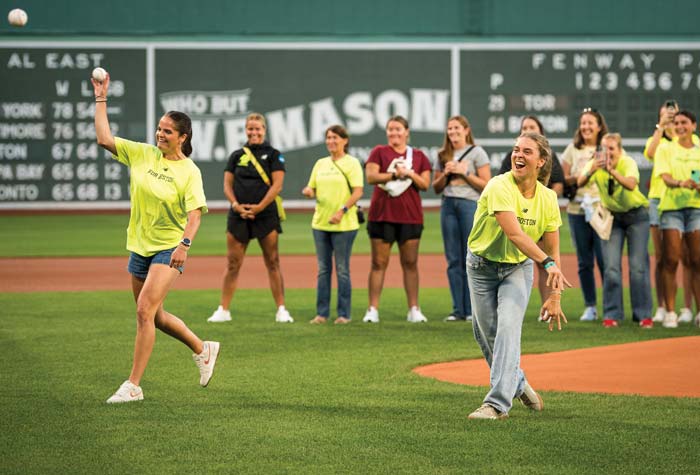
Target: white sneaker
589,315
697,320
127,392
659,315
531,399
670,320
487,412
371,316
685,316
220,315
416,316
206,360
283,315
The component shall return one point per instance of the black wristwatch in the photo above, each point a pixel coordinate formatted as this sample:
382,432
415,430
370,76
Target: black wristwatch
546,261
345,209
186,242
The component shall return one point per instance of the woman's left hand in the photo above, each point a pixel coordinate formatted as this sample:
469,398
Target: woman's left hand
246,211
551,311
178,257
337,217
556,280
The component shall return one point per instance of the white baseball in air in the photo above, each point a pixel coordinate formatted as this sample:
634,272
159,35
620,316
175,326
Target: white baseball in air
99,74
17,17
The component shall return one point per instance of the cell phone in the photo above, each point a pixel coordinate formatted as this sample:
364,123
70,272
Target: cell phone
695,176
671,104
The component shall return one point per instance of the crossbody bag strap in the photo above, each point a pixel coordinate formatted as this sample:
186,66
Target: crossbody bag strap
257,166
466,153
342,173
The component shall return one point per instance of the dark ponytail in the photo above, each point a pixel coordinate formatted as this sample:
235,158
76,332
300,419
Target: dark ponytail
183,124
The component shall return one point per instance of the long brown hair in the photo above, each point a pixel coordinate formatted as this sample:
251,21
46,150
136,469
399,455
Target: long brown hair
447,150
578,138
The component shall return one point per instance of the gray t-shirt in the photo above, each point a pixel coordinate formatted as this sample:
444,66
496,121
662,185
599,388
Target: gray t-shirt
476,158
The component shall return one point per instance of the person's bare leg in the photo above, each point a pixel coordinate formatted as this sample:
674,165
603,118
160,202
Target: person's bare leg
671,253
235,252
150,295
271,255
381,252
408,251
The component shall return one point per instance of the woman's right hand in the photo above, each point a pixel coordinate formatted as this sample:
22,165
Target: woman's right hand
308,192
551,311
101,87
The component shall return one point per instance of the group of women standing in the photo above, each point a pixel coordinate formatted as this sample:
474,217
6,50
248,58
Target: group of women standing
493,229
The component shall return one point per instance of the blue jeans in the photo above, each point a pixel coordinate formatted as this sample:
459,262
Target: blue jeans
633,226
500,293
456,220
328,245
588,247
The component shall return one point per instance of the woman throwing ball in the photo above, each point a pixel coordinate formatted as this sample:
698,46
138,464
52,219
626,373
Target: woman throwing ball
514,212
166,209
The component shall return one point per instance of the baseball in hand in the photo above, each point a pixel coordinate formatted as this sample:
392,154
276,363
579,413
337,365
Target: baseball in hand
99,74
17,17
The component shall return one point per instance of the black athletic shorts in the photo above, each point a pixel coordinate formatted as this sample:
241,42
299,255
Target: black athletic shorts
394,232
246,229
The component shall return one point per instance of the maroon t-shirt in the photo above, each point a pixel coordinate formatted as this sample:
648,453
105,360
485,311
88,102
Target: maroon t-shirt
405,208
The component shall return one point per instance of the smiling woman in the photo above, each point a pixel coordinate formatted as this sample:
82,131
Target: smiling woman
514,212
166,189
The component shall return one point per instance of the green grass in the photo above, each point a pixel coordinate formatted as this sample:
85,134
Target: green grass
105,235
306,399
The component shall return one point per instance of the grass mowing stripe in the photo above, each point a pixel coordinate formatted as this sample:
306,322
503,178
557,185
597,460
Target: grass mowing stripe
305,398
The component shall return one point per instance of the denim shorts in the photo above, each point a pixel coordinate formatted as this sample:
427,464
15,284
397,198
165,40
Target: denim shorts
654,219
685,220
139,265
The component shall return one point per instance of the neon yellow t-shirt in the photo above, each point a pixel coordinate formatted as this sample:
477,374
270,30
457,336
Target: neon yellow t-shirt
679,162
536,216
162,193
622,199
656,184
332,192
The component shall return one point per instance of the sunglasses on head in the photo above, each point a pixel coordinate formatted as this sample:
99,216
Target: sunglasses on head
589,109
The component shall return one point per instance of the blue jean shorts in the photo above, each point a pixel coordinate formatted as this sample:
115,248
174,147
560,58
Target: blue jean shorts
654,219
685,220
139,265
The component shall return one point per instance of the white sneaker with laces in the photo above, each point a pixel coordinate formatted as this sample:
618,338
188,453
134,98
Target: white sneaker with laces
415,315
220,315
659,315
589,315
531,399
283,315
127,392
371,316
487,412
206,360
670,320
685,316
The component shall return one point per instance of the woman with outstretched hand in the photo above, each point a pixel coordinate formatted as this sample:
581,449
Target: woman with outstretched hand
515,211
167,203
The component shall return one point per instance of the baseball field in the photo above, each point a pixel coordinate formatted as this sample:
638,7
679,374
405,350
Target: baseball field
300,398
